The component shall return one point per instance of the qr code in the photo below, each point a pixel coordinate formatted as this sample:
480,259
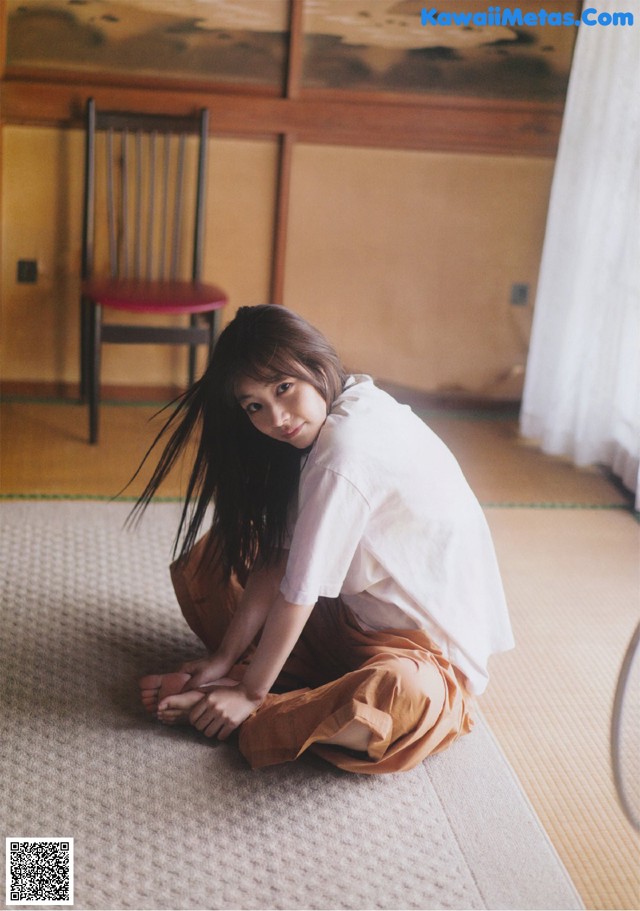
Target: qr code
39,871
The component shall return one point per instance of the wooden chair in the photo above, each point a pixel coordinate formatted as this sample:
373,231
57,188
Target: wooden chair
142,246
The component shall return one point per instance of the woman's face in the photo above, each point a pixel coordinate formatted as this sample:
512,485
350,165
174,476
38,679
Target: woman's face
290,410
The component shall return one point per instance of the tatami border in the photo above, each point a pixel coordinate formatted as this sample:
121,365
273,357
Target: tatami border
129,499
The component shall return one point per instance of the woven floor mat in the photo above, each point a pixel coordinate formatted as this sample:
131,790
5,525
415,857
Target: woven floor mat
504,469
162,818
573,584
499,465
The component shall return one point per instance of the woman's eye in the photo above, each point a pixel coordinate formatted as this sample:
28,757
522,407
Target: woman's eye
252,408
283,387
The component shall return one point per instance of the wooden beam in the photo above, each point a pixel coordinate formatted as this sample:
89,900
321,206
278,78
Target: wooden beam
281,218
426,122
296,48
285,154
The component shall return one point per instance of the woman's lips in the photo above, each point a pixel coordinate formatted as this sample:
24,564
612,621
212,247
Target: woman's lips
288,435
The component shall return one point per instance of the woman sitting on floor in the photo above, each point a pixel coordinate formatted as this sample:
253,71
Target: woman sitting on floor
347,591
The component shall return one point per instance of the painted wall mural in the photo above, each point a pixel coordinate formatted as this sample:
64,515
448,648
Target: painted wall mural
378,45
239,41
357,45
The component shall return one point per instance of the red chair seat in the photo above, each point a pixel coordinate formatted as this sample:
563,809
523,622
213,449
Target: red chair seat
153,296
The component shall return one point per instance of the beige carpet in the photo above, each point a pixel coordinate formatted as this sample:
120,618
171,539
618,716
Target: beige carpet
164,819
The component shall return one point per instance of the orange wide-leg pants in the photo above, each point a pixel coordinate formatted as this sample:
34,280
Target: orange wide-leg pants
394,681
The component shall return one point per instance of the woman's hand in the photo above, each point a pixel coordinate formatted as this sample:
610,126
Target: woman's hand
205,671
222,710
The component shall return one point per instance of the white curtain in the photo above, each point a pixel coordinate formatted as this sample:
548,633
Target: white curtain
582,385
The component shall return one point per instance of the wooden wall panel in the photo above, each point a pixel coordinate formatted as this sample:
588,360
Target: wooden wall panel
431,124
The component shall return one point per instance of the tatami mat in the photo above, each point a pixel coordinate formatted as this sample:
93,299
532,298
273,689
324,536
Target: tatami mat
501,468
573,583
61,462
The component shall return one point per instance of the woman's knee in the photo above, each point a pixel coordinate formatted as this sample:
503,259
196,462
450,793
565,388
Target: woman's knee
416,683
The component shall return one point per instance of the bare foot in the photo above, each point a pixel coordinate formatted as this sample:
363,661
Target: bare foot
157,686
175,708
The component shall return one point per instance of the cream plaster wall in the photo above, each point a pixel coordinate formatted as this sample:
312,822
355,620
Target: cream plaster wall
41,215
405,259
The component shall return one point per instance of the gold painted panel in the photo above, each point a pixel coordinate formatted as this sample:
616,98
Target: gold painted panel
382,46
237,41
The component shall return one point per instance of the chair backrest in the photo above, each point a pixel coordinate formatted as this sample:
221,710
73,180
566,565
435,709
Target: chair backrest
145,180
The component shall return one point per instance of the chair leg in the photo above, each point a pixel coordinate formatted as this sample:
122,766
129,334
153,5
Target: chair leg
192,353
84,347
214,317
93,364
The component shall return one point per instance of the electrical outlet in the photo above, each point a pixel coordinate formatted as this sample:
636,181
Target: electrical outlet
27,271
519,295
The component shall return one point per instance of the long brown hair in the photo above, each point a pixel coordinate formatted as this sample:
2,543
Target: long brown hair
250,479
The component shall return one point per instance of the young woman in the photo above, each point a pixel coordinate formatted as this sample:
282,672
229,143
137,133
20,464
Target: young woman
347,591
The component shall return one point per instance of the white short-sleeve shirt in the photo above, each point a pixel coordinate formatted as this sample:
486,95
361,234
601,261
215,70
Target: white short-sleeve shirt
386,520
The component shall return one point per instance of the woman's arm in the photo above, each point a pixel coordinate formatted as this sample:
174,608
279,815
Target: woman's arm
221,711
259,595
281,632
